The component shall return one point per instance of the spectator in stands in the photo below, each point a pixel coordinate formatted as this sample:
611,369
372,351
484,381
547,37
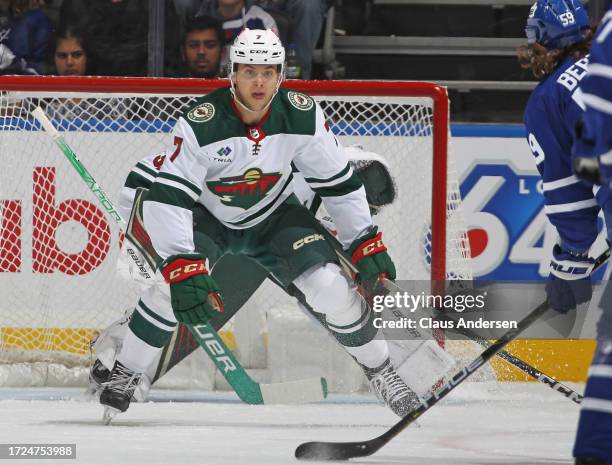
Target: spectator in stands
70,56
185,11
236,15
306,18
202,47
25,33
118,34
52,10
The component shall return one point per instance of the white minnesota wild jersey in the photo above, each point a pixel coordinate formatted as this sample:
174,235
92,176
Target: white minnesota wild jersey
241,174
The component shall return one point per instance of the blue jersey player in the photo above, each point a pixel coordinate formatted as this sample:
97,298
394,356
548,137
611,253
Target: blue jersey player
594,437
559,38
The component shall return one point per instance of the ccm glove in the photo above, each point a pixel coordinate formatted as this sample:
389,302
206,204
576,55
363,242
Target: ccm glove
194,293
369,255
569,281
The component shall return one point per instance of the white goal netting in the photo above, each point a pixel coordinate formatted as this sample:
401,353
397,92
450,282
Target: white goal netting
58,250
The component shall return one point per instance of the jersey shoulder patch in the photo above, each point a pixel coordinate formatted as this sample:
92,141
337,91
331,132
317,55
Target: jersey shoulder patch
207,117
293,113
205,108
300,101
295,101
201,113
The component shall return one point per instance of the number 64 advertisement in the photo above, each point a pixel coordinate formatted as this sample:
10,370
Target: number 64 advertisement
510,237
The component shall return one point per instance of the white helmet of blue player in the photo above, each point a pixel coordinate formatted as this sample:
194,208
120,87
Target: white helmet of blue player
256,47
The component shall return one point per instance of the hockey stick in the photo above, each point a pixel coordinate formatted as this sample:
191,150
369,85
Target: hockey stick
348,450
248,390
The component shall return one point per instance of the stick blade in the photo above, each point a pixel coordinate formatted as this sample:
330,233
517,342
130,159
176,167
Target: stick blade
295,392
335,450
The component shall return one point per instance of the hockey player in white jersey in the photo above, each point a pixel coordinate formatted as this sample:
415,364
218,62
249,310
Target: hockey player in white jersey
419,359
230,173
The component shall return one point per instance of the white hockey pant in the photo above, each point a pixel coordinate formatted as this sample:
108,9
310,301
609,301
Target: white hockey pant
328,292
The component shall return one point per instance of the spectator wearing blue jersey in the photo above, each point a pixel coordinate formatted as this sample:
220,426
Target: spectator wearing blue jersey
559,37
24,38
593,444
306,23
235,15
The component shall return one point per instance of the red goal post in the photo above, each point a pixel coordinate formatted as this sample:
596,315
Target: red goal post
139,85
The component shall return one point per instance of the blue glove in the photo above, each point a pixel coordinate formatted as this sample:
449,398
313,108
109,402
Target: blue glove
569,281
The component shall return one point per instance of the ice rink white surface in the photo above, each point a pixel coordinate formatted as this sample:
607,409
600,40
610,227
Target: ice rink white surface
478,423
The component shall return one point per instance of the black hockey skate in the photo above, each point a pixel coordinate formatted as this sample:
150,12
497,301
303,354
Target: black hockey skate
118,391
98,375
391,389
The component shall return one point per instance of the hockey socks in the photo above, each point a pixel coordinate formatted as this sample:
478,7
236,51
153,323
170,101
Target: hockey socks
137,354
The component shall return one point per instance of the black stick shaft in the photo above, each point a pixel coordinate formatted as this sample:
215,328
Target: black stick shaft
525,367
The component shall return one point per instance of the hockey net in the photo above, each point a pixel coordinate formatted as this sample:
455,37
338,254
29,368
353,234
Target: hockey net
58,250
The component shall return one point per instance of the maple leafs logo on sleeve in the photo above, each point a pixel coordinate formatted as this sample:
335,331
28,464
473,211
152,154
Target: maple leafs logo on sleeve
245,190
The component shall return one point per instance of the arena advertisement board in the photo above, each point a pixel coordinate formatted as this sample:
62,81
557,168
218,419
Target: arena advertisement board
510,237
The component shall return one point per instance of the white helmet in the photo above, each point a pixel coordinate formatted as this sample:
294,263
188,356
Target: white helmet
257,47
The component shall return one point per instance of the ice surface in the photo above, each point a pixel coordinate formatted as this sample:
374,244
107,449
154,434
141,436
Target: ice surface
478,424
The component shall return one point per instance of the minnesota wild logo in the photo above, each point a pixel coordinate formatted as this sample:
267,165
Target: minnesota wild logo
245,190
300,101
202,113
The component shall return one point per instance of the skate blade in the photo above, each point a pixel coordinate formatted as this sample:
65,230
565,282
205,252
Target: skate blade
109,414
